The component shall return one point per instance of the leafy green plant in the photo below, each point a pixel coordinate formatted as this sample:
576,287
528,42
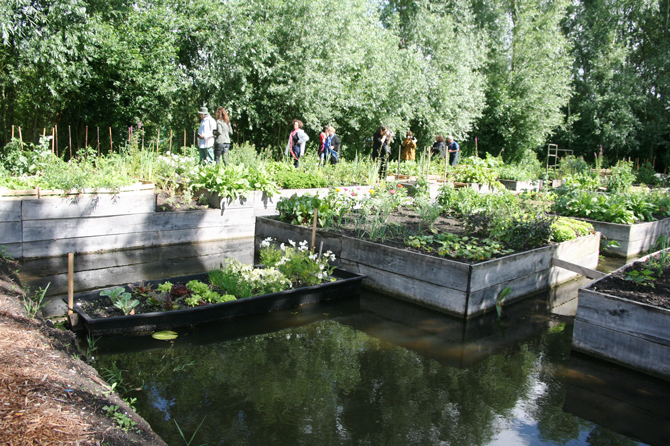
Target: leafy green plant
647,175
122,419
622,177
229,181
299,209
499,300
126,303
33,304
564,229
296,262
643,277
164,300
188,442
243,281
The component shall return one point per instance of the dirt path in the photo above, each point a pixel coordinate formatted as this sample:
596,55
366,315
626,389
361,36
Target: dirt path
47,394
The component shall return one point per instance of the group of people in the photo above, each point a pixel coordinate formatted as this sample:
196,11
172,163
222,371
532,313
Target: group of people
214,144
214,136
329,144
381,143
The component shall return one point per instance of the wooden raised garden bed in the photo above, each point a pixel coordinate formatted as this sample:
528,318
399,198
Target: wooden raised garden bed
634,239
140,186
347,284
624,331
522,185
458,288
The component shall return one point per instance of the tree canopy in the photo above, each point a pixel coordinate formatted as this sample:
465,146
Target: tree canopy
513,73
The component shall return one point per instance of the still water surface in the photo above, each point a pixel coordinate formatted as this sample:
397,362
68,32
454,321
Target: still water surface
376,371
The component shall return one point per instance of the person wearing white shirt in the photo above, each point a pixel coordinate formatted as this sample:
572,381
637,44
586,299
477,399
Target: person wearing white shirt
206,136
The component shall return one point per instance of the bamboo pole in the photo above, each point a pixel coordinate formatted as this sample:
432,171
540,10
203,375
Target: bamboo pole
56,137
314,229
12,132
170,148
69,139
52,139
97,129
20,138
70,282
44,132
111,149
158,139
184,142
86,138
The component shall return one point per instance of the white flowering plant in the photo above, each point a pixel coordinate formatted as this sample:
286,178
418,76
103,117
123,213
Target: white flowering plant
243,281
297,263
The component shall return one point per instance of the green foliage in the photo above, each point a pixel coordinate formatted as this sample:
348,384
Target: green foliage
622,177
477,170
296,262
624,208
643,277
33,304
244,281
203,294
524,231
126,303
564,229
647,175
122,419
299,210
228,181
297,179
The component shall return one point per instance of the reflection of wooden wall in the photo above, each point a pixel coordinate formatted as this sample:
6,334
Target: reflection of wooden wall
99,270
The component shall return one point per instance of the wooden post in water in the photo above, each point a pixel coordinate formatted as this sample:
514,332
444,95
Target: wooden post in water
70,282
314,230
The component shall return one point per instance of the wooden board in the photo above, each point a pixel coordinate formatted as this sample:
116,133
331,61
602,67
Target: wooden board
433,270
483,300
496,271
633,318
10,232
408,288
77,207
10,210
622,348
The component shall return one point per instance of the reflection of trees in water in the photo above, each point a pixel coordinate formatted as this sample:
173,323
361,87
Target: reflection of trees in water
327,383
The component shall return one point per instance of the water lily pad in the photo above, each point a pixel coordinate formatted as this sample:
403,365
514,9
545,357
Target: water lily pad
165,335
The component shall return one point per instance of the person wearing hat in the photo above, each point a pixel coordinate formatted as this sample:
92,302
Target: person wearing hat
206,136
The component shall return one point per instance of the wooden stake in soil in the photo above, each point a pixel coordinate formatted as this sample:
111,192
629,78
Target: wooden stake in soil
111,150
397,177
44,132
97,129
52,139
70,282
12,132
69,139
170,148
158,138
20,138
314,230
184,142
56,138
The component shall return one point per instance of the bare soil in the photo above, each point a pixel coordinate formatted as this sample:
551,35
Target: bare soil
653,292
48,395
176,203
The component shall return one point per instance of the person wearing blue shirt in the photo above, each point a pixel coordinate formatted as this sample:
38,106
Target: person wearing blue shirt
452,149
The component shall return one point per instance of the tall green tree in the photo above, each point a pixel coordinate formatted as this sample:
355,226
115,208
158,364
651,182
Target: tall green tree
528,72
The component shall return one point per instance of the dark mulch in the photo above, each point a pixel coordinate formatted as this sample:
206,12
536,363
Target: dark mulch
655,292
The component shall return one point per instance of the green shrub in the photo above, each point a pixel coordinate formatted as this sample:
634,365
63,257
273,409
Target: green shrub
297,179
647,175
564,229
622,177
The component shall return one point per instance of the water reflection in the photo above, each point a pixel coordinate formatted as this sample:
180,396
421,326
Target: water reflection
369,371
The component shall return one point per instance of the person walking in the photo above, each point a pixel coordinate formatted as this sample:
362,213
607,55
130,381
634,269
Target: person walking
439,146
206,136
335,144
222,134
409,147
453,150
323,136
296,142
380,149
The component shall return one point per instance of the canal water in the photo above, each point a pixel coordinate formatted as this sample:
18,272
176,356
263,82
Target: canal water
377,371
